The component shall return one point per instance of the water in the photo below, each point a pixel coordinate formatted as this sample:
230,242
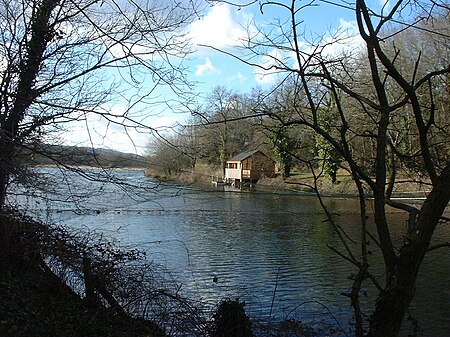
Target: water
266,248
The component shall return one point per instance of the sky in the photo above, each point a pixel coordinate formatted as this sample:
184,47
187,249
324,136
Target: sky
222,27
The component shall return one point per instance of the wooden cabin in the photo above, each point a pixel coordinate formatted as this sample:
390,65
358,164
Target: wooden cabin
249,167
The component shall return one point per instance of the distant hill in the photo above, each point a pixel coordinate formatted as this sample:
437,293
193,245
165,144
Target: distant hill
86,156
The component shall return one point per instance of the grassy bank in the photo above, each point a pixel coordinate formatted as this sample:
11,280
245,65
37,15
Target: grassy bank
344,186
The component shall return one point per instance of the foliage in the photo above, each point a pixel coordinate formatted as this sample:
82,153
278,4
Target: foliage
230,320
221,129
330,157
37,262
283,148
390,110
289,328
44,154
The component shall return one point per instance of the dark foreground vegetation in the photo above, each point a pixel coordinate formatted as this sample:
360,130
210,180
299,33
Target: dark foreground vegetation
35,301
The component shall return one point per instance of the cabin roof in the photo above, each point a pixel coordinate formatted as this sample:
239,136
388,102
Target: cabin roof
244,155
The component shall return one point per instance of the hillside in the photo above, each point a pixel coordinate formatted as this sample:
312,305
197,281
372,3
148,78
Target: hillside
85,156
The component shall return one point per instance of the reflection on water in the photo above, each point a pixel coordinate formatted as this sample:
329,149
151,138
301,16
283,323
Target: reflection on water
267,249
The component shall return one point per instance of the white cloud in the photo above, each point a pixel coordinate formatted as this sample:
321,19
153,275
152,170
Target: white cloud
97,132
265,77
220,28
206,68
238,77
267,74
346,41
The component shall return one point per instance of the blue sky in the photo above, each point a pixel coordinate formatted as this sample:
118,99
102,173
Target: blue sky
221,26
224,26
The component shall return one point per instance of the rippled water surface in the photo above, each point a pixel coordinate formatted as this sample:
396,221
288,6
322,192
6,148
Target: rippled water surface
269,249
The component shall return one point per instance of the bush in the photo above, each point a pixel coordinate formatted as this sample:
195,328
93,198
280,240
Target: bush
230,320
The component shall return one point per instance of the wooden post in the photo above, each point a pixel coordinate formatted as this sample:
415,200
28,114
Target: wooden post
92,285
88,279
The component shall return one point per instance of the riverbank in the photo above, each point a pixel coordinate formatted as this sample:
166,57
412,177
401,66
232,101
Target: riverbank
344,185
35,302
298,182
204,176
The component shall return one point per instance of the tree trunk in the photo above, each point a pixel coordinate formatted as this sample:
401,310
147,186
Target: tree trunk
30,65
3,184
394,301
5,169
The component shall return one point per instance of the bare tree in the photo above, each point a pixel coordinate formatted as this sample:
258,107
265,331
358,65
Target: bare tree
372,91
227,126
168,154
62,61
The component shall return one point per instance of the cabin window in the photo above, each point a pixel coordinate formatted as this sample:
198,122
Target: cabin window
232,165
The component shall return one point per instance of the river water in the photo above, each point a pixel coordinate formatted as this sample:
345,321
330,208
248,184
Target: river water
266,248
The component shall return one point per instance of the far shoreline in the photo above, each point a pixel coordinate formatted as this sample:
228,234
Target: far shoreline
342,190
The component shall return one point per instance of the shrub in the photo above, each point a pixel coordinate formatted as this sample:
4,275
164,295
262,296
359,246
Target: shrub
230,320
